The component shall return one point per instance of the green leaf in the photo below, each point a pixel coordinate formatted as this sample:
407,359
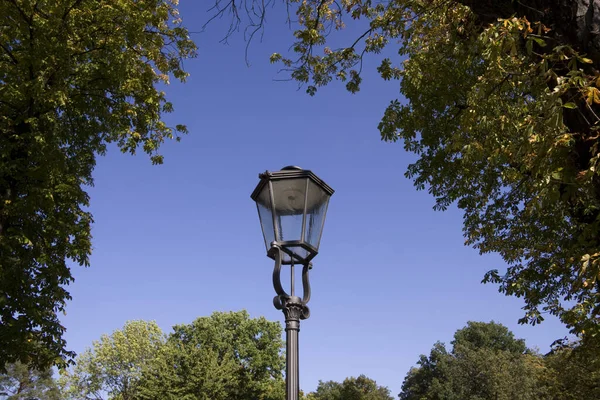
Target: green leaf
275,57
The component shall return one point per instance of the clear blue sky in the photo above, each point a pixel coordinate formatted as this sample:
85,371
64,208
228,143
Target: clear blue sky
181,240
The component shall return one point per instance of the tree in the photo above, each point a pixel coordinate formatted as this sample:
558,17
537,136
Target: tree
574,371
75,75
114,365
486,362
18,382
360,388
224,356
502,108
484,335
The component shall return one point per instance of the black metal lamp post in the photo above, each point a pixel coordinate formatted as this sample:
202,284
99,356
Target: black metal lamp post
292,204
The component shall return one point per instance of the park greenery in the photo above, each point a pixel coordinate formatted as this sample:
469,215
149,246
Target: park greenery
359,388
501,105
224,356
229,355
20,382
486,361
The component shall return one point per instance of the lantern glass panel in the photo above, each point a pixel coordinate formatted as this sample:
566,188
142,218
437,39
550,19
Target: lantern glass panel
265,213
315,213
299,251
289,196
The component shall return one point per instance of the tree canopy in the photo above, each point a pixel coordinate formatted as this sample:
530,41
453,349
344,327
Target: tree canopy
221,357
227,355
18,382
501,106
75,75
233,356
359,388
114,364
574,370
485,362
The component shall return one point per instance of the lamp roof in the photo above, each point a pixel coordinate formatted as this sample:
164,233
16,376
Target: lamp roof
289,172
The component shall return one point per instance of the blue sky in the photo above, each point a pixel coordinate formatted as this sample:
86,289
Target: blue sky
181,240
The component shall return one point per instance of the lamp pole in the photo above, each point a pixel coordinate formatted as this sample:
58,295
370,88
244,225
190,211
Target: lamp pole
292,204
294,309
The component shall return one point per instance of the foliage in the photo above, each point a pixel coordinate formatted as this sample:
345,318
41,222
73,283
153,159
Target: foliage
21,383
360,388
574,371
488,335
224,356
75,75
115,363
486,362
502,110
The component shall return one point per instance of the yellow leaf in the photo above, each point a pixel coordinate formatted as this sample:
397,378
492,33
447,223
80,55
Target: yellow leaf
593,95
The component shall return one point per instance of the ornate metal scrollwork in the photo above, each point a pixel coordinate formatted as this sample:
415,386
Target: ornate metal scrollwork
293,307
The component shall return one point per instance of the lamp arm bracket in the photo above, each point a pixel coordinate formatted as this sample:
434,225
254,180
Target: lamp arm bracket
291,305
306,283
277,252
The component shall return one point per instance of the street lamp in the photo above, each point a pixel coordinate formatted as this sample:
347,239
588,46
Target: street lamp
292,204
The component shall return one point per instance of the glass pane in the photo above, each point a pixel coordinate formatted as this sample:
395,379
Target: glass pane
289,208
296,250
315,213
263,202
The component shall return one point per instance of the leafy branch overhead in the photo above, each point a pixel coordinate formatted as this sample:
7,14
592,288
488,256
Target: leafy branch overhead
75,76
501,105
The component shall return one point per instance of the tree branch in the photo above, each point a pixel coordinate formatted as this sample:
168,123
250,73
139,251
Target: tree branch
12,57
